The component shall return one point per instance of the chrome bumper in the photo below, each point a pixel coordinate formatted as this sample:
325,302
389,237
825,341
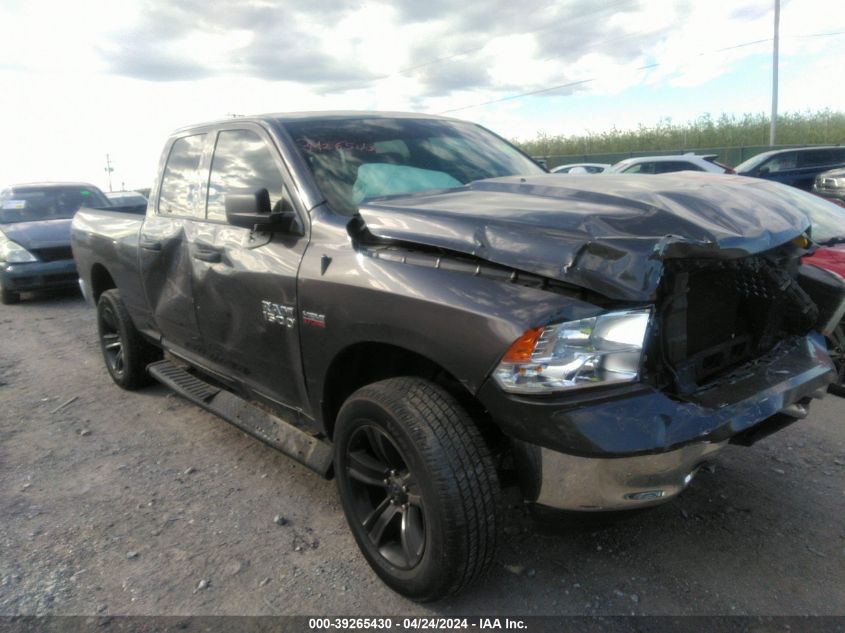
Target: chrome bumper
569,482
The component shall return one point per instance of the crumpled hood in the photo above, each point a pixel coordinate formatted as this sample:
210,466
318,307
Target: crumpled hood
35,235
608,233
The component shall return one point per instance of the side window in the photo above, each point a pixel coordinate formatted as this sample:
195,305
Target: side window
676,165
819,157
640,168
781,162
180,185
242,160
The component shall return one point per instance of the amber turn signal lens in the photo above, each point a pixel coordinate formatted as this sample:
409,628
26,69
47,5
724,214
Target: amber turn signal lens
801,241
523,347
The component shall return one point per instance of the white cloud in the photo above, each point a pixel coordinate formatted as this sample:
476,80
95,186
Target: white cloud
85,78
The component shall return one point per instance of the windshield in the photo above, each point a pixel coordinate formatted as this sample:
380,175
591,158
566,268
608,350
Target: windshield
753,162
356,159
31,204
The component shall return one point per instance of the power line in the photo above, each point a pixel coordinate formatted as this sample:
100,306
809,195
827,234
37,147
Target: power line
639,68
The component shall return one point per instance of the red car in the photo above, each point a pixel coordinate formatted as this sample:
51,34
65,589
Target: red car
828,230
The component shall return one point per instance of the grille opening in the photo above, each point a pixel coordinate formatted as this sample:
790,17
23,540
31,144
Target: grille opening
719,314
53,254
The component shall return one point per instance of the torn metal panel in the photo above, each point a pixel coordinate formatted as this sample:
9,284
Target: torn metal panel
609,233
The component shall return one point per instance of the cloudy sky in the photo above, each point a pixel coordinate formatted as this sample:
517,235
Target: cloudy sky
81,79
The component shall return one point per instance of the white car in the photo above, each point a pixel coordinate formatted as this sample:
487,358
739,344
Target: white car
666,164
581,168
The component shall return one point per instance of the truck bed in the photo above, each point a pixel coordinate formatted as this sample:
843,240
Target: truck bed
105,247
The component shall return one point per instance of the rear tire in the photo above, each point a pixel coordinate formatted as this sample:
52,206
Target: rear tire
125,351
8,297
837,354
418,487
838,388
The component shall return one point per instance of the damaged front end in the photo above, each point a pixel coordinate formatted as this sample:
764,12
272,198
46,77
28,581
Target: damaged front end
707,330
735,354
717,314
732,328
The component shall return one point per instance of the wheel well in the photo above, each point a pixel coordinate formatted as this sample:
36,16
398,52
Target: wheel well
101,281
366,363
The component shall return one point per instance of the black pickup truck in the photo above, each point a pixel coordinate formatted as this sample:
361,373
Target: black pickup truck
411,305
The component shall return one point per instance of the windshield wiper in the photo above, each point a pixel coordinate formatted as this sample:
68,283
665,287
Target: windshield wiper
833,241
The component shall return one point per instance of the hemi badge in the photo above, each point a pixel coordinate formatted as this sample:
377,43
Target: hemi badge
313,318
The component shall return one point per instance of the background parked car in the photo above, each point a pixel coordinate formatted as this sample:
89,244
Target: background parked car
797,167
128,201
35,235
121,198
588,168
831,184
667,164
827,223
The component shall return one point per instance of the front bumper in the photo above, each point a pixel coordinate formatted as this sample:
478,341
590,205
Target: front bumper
638,446
38,275
569,482
835,194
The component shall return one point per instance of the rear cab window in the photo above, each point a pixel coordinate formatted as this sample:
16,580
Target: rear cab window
181,183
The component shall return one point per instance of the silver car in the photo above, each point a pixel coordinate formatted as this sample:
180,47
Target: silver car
831,184
667,164
581,168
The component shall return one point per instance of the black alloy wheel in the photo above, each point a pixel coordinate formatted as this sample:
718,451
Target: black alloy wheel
836,345
386,497
111,343
9,297
125,352
418,486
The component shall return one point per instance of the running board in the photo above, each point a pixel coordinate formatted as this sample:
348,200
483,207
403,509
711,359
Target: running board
290,440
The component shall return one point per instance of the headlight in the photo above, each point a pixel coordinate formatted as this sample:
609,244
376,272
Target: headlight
602,350
13,252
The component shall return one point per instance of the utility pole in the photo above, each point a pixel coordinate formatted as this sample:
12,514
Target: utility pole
109,169
774,125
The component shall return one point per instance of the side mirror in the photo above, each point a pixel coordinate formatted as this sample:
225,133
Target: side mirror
250,209
764,171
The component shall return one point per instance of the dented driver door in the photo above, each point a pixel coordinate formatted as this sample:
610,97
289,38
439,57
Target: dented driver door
163,253
245,282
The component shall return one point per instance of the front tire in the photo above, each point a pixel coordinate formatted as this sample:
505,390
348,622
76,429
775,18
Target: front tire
836,345
8,297
125,351
418,487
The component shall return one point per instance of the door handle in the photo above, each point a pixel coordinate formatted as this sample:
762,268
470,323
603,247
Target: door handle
210,255
150,245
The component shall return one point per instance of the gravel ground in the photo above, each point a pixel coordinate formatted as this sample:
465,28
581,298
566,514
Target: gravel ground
140,503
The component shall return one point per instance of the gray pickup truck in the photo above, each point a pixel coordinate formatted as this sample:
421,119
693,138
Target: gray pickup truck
412,306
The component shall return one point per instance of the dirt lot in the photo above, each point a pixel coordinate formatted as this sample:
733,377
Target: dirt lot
140,503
